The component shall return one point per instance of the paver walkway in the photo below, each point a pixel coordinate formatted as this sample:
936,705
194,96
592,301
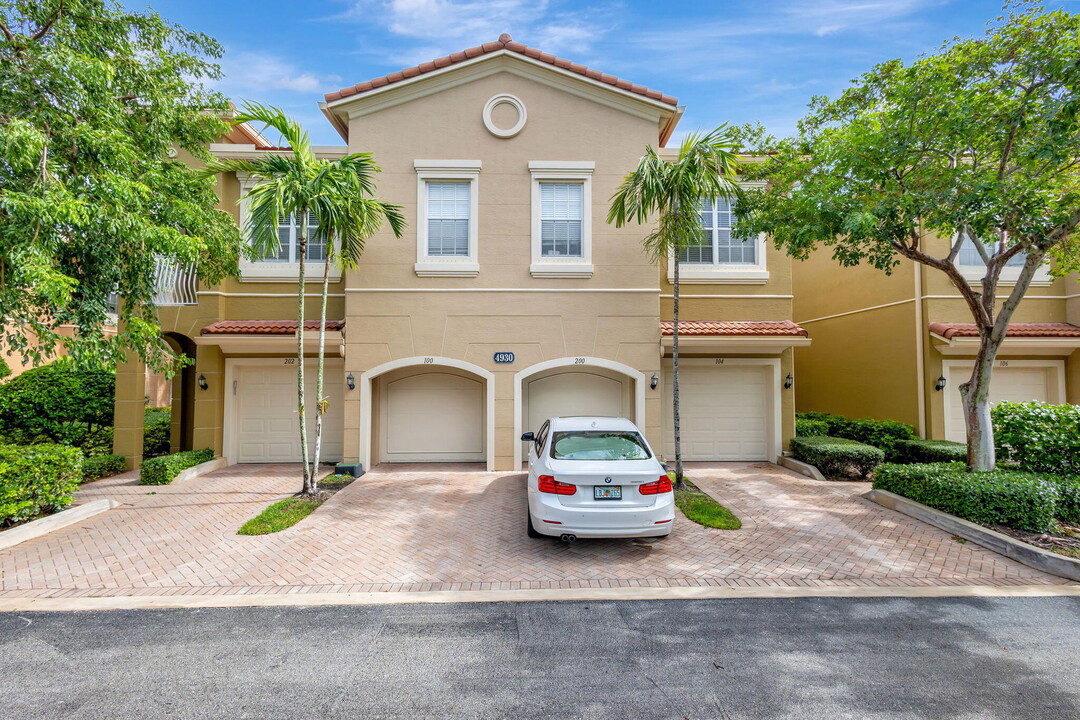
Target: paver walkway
412,528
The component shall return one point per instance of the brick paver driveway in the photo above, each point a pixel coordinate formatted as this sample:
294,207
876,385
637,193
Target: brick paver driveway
415,528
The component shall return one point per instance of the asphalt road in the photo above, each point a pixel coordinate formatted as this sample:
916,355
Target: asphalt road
809,658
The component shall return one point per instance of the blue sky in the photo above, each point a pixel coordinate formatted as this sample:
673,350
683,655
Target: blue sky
735,61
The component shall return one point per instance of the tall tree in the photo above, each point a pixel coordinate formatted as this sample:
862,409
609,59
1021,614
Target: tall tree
673,192
95,102
337,194
979,144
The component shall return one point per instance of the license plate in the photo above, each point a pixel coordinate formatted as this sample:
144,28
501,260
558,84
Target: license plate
607,492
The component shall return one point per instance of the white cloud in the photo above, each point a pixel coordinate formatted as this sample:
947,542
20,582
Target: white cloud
450,25
248,71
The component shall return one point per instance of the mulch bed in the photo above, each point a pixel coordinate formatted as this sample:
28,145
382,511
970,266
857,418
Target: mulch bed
1067,543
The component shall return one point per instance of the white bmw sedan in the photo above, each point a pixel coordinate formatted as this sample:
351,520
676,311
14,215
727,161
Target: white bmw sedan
596,477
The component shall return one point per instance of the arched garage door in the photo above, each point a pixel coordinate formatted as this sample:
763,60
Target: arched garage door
435,416
575,392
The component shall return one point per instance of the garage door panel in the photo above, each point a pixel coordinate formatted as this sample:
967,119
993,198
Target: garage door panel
568,394
1007,384
433,417
266,422
723,413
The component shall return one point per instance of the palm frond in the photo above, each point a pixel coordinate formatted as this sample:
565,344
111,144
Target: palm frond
291,131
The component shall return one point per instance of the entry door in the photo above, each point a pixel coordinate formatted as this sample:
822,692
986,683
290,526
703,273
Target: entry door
267,425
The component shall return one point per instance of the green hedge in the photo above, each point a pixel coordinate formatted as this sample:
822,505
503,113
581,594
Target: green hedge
156,430
1037,436
838,457
162,470
883,434
95,468
805,427
929,451
1017,499
58,403
36,479
1069,503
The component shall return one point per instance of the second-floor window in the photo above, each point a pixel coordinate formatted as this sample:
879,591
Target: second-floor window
969,255
448,206
289,238
562,211
718,246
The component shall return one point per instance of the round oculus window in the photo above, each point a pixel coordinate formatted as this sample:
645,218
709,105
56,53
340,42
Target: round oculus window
504,116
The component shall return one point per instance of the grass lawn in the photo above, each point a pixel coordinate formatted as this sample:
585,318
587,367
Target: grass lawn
286,513
703,510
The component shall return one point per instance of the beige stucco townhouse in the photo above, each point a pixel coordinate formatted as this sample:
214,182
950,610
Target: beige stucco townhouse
509,300
898,346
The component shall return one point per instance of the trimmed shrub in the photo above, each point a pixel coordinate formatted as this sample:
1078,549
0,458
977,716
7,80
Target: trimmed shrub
1017,499
832,422
1069,503
929,451
156,431
58,403
5,369
36,479
1037,436
805,427
97,467
838,457
162,470
883,434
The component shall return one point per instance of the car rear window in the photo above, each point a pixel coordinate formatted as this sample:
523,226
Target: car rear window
598,445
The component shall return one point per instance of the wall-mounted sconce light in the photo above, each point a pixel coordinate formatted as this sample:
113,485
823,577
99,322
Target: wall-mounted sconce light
350,381
653,381
789,381
202,382
940,384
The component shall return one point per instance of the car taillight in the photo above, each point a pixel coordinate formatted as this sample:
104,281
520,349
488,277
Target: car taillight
548,484
663,485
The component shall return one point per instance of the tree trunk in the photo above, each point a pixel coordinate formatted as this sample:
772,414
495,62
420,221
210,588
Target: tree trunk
975,394
679,481
322,402
301,220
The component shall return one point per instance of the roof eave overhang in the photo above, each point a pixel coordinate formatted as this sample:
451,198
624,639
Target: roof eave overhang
365,103
764,345
240,344
969,346
251,152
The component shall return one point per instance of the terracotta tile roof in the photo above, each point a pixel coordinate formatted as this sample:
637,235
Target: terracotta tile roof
505,42
1016,330
715,328
267,327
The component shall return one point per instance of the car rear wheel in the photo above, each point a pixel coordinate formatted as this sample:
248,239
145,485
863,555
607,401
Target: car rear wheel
530,530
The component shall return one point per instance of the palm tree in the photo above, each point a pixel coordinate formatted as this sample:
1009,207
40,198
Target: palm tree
337,195
704,169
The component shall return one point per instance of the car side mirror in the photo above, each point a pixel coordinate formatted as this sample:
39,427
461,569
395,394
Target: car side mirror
528,437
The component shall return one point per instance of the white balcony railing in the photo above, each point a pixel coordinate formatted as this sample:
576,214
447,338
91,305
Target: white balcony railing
174,283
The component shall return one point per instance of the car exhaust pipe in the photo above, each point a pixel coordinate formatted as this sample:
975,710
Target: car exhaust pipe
568,538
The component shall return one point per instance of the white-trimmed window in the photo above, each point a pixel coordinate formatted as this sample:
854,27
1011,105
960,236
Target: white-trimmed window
446,227
288,232
561,219
973,268
720,257
283,266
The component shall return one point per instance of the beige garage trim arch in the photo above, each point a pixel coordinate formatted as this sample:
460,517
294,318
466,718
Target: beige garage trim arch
638,393
366,378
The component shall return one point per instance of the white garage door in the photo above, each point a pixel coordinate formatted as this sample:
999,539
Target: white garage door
1010,383
723,411
267,425
433,417
574,393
